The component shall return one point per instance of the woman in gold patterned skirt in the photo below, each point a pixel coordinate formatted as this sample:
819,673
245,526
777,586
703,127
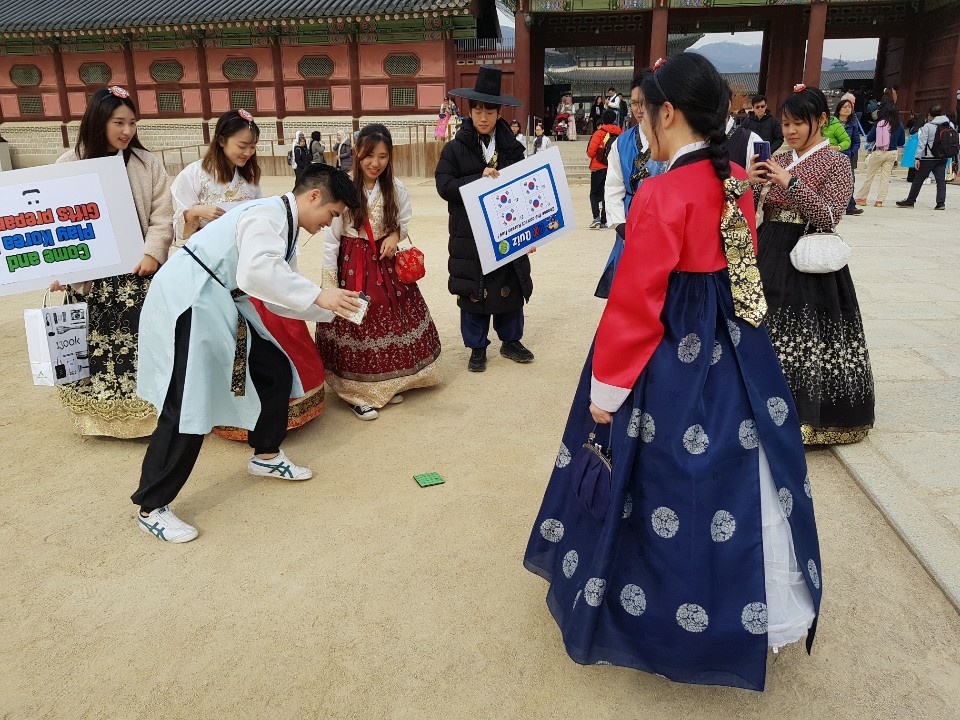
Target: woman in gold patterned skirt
814,319
106,403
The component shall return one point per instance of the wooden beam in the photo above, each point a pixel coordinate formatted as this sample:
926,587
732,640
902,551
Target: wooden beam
659,26
521,61
61,82
816,32
353,49
278,77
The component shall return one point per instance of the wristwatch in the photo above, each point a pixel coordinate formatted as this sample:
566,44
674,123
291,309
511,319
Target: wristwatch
793,181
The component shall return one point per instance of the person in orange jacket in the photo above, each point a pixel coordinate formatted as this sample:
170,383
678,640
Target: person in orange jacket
597,150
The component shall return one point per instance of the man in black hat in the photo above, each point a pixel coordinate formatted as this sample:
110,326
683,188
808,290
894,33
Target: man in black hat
483,146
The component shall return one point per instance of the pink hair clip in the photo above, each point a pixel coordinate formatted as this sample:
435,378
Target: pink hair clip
799,87
119,92
245,115
659,63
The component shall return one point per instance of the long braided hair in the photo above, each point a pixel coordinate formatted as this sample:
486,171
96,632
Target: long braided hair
693,86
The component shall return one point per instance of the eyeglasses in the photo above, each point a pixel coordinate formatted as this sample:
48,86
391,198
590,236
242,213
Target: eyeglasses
634,104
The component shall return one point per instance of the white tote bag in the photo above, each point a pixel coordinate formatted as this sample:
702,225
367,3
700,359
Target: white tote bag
57,343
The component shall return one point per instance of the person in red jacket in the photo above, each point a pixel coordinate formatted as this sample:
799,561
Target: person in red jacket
597,150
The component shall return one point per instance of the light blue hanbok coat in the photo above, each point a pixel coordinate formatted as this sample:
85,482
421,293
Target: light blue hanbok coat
247,249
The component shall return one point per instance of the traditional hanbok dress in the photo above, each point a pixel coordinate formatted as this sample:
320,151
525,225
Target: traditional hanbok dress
814,319
106,403
396,348
194,186
701,550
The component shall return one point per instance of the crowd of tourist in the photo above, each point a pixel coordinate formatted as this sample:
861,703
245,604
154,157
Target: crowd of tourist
680,499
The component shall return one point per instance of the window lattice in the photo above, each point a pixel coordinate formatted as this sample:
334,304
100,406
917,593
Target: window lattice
25,75
243,100
95,73
318,98
166,71
170,102
402,64
403,97
30,105
315,66
239,69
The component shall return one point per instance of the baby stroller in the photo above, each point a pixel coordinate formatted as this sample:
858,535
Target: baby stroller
561,126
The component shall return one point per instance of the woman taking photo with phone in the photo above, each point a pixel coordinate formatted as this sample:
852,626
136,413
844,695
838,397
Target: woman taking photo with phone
813,319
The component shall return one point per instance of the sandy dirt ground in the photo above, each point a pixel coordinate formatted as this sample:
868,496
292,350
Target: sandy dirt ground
359,595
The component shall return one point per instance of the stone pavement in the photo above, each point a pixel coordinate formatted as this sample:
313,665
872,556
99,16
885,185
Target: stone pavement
906,268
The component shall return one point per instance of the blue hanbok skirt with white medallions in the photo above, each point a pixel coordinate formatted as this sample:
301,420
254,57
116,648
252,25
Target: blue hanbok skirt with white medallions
708,551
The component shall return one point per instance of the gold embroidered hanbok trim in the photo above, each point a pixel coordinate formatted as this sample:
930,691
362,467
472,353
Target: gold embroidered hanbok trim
749,303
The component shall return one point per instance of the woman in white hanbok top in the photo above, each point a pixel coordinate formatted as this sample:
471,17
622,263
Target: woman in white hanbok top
228,175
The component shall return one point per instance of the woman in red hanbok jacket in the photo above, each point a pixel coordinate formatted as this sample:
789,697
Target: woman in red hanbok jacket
698,550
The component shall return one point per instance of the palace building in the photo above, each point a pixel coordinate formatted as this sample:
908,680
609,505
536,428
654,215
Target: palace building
333,64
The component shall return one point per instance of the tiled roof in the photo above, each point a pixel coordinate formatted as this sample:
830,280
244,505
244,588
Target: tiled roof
27,15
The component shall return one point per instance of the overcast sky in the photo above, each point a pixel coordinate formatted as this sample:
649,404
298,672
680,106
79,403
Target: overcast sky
847,49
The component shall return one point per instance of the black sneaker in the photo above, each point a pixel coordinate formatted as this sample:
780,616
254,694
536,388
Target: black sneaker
478,360
940,206
513,350
904,203
855,211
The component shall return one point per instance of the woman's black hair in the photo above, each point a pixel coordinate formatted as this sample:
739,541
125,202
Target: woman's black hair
215,161
693,86
515,122
889,112
609,117
807,106
315,135
92,136
843,101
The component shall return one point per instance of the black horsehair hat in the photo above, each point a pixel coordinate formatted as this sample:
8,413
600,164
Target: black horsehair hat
487,89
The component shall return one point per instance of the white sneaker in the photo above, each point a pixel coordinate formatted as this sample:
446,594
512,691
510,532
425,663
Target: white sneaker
396,400
279,466
166,526
365,412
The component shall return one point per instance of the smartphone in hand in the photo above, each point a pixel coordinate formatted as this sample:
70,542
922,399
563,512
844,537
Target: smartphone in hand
762,151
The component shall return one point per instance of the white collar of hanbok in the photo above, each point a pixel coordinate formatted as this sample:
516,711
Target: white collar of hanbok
294,214
797,159
692,147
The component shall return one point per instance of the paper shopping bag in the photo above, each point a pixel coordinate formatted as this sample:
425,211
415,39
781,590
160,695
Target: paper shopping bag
57,343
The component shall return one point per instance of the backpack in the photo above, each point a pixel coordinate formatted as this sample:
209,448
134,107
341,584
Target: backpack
290,160
604,150
317,148
946,142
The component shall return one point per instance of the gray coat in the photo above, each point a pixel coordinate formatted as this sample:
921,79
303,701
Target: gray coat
344,152
928,134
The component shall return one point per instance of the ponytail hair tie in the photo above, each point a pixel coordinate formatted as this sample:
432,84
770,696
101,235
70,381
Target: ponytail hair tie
799,87
659,64
245,115
118,91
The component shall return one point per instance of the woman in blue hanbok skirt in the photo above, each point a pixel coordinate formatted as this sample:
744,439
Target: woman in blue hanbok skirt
699,550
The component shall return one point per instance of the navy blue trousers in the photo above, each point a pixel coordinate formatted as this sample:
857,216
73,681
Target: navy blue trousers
475,326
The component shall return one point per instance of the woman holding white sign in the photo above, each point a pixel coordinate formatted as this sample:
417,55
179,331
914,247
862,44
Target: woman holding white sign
106,403
226,176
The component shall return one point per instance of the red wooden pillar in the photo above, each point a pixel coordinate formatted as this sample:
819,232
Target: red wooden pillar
353,48
204,78
131,71
658,31
521,61
955,82
538,50
815,35
641,50
449,62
